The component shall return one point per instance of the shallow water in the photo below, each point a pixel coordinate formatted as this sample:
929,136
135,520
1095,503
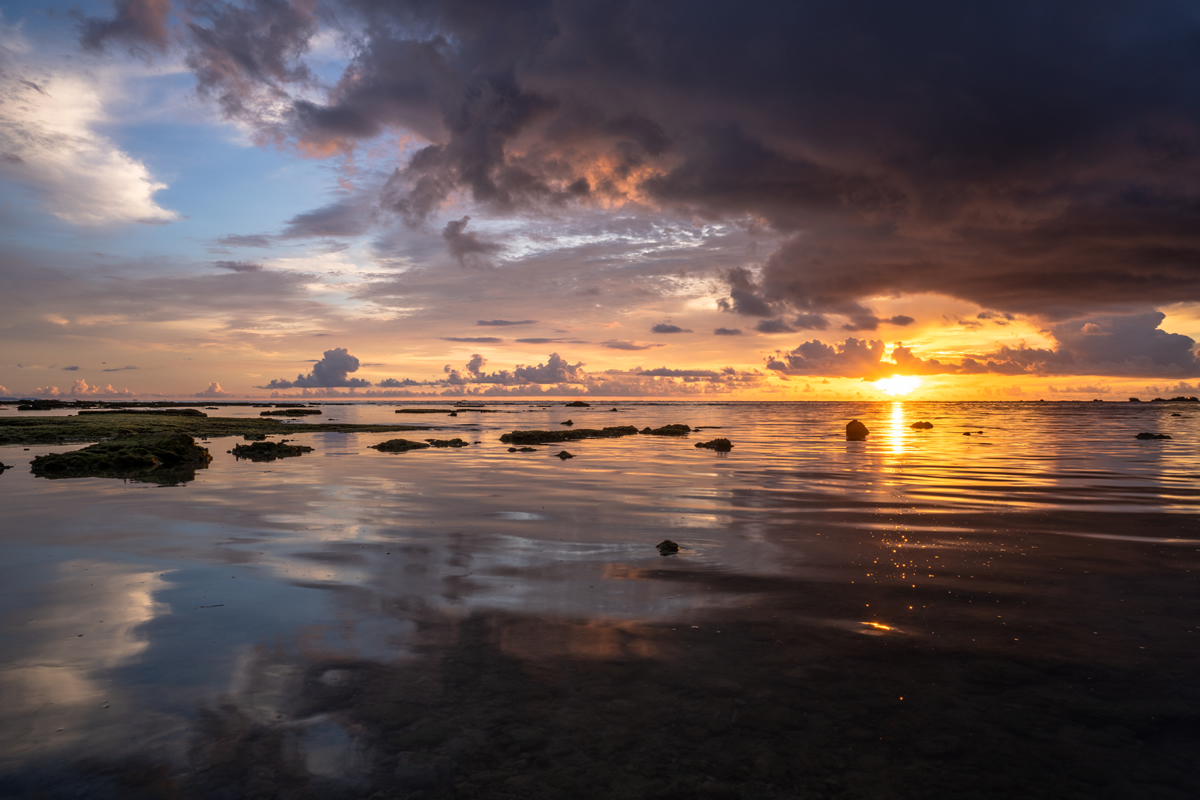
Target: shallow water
922,614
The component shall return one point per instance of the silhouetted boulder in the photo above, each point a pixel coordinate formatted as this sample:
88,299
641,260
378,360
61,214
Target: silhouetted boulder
269,451
856,431
564,455
578,404
398,446
1144,435
456,442
921,425
668,430
666,547
522,449
720,445
568,422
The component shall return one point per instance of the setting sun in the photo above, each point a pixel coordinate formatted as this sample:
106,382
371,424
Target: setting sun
897,385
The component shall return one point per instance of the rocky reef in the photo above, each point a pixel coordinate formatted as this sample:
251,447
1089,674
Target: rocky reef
291,412
163,458
1145,435
455,442
549,437
269,451
720,445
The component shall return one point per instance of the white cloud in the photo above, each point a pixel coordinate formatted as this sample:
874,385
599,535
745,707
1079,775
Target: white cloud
49,142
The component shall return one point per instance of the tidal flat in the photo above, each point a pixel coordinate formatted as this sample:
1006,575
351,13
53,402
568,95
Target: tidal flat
919,614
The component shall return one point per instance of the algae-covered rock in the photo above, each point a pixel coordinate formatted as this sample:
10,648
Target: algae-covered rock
548,437
456,442
268,451
165,458
564,455
522,449
254,437
720,445
666,547
856,431
291,412
668,430
568,422
399,446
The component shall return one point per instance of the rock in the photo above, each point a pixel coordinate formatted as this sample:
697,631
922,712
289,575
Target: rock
398,446
291,412
548,437
564,455
450,411
856,431
4,466
612,409
568,422
254,437
720,445
456,442
578,404
666,547
269,451
1144,435
166,458
522,449
922,425
668,430
1176,414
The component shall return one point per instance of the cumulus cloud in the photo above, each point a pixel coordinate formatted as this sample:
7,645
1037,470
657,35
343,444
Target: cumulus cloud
137,24
331,371
621,344
238,266
50,143
214,390
667,327
727,332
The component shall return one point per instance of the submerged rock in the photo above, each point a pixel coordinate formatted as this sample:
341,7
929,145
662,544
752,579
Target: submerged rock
4,466
398,446
666,547
568,422
1144,435
268,451
578,404
668,430
291,412
522,449
720,445
165,458
856,431
548,437
921,425
455,442
254,437
564,455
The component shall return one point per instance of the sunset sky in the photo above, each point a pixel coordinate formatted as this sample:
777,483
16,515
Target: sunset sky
786,200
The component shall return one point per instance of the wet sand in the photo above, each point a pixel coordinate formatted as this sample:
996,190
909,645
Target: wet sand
918,615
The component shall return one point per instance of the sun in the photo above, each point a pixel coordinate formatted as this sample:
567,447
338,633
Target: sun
898,384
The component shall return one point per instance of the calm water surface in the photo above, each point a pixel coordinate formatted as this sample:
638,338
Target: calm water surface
1012,613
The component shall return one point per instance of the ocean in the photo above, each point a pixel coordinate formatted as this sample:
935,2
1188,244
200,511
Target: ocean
1002,605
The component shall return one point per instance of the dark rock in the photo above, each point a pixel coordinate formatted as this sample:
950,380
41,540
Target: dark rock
666,547
612,409
564,455
856,431
165,458
3,467
425,411
254,437
398,446
164,412
1144,435
1134,400
453,414
568,422
720,445
291,412
578,404
1176,414
668,430
548,437
268,451
522,449
922,425
456,442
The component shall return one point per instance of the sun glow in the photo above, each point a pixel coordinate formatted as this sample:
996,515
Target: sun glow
897,385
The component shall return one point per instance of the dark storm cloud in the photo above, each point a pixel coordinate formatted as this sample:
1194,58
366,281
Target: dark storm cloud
499,323
466,246
773,326
1032,158
331,371
137,24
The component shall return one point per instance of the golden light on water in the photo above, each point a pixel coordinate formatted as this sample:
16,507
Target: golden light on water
898,384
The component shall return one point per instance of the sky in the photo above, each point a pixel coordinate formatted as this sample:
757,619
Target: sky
618,199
